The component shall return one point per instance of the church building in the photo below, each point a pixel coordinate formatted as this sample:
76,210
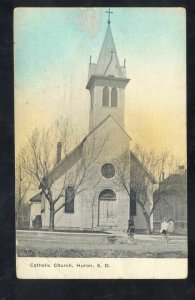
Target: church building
98,201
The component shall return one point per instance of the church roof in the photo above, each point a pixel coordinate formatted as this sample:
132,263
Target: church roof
109,116
76,153
148,173
108,63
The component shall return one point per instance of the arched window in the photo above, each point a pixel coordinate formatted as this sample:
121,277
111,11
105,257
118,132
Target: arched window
114,98
107,194
69,199
105,96
133,203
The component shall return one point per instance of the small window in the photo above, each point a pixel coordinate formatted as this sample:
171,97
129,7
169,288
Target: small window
105,97
133,203
69,199
108,171
114,98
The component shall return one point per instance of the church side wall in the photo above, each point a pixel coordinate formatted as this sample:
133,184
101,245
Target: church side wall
64,220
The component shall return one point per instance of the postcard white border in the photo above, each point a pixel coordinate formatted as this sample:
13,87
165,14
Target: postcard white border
101,268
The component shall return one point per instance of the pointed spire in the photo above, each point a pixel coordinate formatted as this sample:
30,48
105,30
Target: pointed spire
108,63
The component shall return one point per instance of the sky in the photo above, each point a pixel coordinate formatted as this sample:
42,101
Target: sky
52,47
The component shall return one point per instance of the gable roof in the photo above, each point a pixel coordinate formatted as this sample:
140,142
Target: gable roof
69,160
109,116
36,198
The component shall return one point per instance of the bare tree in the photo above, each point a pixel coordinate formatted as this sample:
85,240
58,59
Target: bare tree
23,183
147,169
44,169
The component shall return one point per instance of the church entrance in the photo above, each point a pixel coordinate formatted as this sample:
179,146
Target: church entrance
107,208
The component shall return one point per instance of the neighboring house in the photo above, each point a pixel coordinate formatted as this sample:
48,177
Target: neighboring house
106,205
24,216
35,211
173,203
137,170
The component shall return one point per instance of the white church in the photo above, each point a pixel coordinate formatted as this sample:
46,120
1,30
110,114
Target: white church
89,171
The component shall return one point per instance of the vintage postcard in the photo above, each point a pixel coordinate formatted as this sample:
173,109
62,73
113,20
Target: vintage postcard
100,143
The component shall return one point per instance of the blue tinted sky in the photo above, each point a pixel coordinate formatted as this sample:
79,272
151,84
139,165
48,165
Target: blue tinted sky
52,48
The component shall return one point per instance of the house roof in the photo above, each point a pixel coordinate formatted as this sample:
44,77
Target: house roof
173,183
175,178
36,198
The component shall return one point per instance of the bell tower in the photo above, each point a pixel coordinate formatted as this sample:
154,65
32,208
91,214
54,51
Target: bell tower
106,83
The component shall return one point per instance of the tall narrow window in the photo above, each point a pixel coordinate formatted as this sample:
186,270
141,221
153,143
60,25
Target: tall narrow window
92,97
132,203
105,96
69,199
114,98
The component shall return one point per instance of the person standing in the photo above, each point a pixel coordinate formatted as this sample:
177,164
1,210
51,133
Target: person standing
131,228
164,228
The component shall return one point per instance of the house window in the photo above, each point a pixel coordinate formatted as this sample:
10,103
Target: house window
133,203
69,199
108,170
114,98
105,97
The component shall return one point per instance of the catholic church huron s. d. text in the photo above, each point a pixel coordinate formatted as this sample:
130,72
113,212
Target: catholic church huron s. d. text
101,203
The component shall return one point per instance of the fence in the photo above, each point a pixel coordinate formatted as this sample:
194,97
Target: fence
179,226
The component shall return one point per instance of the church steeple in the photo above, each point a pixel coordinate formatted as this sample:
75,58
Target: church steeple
108,63
106,83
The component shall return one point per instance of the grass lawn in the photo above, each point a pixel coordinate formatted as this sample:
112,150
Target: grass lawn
133,249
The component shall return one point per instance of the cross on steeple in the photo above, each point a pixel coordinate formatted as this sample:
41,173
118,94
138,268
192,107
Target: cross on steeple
109,12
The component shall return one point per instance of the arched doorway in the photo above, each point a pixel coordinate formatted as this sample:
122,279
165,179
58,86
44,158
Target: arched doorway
107,208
